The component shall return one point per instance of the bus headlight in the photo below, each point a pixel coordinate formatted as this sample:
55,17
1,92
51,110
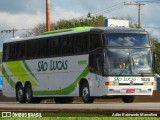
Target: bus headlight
111,83
148,83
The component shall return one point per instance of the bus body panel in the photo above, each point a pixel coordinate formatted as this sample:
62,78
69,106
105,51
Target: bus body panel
45,75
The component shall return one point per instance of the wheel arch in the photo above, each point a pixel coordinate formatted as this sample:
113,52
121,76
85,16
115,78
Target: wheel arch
17,84
82,81
26,83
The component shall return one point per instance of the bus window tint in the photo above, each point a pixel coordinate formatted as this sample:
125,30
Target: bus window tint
42,52
6,49
53,46
95,41
81,43
67,45
32,49
13,51
21,50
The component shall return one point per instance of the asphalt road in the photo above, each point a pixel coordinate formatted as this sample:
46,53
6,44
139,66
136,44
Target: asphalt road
77,107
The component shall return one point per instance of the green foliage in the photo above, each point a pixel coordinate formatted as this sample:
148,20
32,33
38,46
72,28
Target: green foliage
95,21
156,49
64,24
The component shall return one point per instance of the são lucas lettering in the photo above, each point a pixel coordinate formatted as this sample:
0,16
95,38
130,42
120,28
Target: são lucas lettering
124,79
52,65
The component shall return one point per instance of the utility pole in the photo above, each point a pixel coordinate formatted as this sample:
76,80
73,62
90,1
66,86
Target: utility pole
139,11
9,31
48,15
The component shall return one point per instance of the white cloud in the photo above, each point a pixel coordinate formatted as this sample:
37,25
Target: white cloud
20,21
73,9
58,13
23,20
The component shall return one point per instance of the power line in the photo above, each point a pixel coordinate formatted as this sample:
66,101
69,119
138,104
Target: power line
139,11
150,1
13,31
3,37
107,9
114,9
152,27
104,10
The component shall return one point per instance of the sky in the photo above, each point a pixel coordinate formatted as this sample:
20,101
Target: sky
26,14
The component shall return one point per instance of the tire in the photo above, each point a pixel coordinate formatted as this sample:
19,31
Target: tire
85,93
29,95
128,99
20,94
63,99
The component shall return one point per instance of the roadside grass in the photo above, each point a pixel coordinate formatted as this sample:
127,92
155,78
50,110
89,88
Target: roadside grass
80,116
85,118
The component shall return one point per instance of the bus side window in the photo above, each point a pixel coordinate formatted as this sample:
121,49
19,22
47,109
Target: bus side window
95,41
6,50
67,45
81,43
20,50
98,63
91,63
53,46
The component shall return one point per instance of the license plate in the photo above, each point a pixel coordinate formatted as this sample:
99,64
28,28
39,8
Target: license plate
130,90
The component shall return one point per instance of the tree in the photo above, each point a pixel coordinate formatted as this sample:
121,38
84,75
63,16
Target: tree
64,24
156,50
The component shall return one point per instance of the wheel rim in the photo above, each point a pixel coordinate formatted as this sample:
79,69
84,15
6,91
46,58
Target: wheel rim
85,92
20,94
28,93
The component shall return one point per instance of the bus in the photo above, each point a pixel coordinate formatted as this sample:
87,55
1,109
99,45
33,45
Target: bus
86,62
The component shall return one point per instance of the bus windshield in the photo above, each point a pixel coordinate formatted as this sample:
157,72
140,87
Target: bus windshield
135,61
126,39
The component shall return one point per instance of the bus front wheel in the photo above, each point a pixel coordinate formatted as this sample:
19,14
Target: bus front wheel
85,93
128,99
20,94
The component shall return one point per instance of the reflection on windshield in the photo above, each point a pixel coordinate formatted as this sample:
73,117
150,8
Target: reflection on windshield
126,39
127,61
141,61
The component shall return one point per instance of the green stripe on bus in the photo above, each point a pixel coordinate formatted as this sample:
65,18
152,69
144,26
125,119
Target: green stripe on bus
9,80
82,62
18,71
66,90
26,66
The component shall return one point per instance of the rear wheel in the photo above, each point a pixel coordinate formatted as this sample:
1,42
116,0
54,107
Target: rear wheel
63,99
85,93
128,99
20,94
29,95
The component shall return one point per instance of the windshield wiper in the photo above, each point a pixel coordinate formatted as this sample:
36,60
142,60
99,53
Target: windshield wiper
133,62
142,74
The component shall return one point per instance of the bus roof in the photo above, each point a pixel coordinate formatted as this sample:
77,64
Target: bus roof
78,30
53,33
68,30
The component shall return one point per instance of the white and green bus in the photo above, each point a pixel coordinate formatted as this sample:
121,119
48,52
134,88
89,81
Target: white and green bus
86,62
